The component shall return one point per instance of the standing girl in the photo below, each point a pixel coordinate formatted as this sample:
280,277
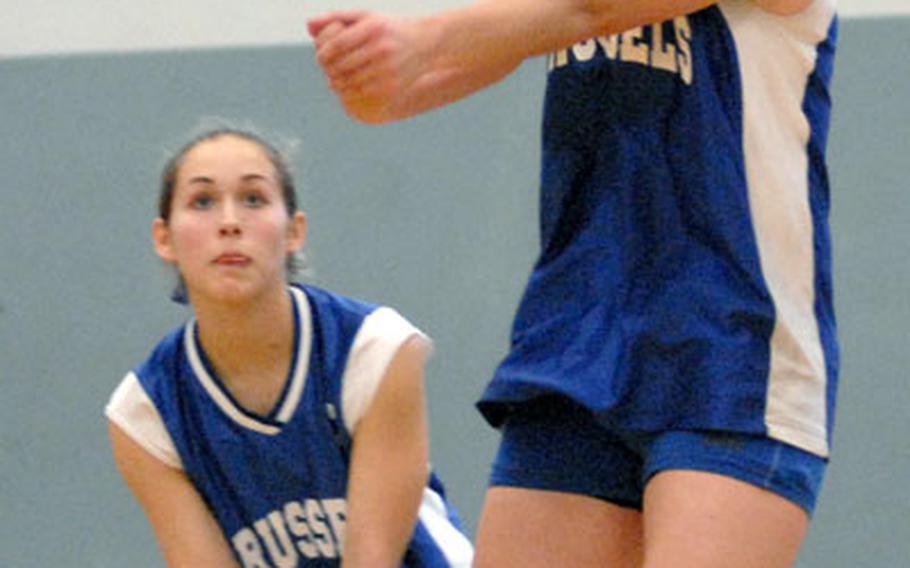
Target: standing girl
668,397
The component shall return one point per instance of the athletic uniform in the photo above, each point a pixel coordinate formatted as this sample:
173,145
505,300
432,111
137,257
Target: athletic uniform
684,279
276,484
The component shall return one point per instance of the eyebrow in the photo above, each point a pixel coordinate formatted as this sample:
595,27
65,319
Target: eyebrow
200,179
245,178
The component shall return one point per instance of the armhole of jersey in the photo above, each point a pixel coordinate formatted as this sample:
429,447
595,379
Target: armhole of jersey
379,338
131,409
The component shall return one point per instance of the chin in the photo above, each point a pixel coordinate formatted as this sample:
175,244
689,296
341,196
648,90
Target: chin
228,293
240,292
236,289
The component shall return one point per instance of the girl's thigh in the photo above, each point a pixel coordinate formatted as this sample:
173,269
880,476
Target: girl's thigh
531,528
707,520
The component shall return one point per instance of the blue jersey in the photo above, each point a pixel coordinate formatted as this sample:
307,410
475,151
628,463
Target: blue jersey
684,278
277,484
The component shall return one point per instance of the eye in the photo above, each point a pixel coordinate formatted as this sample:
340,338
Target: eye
254,199
202,201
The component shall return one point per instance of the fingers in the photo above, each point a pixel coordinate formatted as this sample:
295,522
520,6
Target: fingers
365,109
366,79
322,31
355,54
365,57
345,51
316,24
327,33
354,65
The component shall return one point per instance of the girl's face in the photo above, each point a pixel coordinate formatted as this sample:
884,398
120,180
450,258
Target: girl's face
229,231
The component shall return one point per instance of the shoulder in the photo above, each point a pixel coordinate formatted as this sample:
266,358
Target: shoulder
384,337
320,298
164,359
375,321
137,404
342,323
136,415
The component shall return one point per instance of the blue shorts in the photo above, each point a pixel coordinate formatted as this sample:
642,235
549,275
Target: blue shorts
557,445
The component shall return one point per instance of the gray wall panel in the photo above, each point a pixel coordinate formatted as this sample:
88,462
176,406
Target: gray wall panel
863,518
435,215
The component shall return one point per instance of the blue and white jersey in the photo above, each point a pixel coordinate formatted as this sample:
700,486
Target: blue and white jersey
684,279
277,484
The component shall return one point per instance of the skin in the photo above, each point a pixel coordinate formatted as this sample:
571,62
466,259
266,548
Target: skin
690,519
229,234
384,67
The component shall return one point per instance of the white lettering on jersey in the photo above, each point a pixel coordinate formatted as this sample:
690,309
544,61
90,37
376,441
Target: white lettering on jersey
670,54
585,51
634,47
336,511
313,528
248,549
296,517
282,551
684,47
325,542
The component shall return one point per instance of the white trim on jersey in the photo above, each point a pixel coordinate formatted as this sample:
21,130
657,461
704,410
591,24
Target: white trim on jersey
303,357
776,131
381,335
217,395
379,338
134,413
454,545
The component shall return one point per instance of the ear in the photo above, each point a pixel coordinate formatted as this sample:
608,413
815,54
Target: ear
161,239
296,233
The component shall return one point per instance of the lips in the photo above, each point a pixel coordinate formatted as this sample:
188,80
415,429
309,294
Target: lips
232,259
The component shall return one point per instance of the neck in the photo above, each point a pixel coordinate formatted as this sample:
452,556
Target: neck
248,339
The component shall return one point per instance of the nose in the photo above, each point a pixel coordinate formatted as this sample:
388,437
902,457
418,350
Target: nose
230,224
229,230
